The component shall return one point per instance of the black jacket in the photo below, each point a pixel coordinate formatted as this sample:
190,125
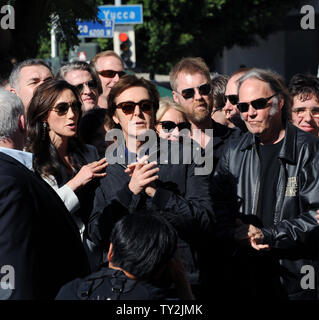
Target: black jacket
37,235
182,197
109,284
294,230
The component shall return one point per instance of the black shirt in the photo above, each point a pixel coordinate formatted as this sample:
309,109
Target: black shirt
269,172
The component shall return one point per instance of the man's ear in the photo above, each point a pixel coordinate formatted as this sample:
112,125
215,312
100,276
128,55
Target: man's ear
110,252
175,97
13,90
21,123
115,118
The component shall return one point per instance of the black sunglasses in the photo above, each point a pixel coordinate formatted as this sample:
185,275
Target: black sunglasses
91,84
111,73
232,98
62,108
203,90
257,104
170,125
128,107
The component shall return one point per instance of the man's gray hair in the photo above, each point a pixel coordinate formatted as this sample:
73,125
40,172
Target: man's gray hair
11,108
80,65
15,73
276,84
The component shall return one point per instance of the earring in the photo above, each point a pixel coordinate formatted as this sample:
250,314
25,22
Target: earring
44,130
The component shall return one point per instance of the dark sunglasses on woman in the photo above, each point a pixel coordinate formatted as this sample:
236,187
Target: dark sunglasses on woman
111,73
128,107
62,108
91,84
203,90
257,104
171,125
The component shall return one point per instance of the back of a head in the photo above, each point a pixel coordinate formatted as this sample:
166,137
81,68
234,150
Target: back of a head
11,108
15,73
190,65
143,243
304,86
165,104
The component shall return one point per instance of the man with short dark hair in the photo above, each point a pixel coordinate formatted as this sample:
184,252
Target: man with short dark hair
265,192
304,90
141,247
26,76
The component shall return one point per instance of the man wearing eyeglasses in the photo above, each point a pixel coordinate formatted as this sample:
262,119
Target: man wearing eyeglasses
109,66
231,99
191,83
81,75
265,194
304,90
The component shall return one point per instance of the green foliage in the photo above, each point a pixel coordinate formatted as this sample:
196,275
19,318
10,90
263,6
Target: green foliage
173,29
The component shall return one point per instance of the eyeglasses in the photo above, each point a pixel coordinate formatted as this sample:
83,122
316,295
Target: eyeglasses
232,98
128,107
91,84
301,111
170,125
62,108
257,104
189,93
111,73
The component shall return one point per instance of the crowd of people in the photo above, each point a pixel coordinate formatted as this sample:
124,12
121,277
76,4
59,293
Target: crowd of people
109,191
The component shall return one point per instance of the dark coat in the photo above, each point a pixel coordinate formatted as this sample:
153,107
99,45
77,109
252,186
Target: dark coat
235,195
182,197
37,236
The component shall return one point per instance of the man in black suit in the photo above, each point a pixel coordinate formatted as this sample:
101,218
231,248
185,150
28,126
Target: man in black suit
39,244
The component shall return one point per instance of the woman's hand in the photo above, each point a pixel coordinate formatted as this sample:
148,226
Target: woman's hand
87,173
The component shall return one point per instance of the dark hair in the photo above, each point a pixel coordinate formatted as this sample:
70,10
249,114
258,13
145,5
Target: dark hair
129,81
304,86
219,84
143,243
46,159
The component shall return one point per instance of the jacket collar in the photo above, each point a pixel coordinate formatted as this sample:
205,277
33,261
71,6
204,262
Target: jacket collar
288,149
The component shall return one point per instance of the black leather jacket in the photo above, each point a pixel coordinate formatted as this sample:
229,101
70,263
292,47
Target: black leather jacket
294,229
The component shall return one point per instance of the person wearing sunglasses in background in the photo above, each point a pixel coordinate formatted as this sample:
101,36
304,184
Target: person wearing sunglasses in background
69,166
81,75
171,120
304,90
266,189
192,90
110,68
232,113
149,179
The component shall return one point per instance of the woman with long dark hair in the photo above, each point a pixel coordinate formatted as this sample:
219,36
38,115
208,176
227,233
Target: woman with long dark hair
61,159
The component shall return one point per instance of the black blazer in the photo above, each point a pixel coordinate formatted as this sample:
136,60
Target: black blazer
37,236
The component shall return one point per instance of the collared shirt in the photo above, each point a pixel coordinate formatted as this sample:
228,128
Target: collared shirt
25,158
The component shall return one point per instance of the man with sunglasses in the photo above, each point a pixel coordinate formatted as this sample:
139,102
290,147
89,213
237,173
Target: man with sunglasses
109,66
265,195
304,90
192,89
81,75
231,99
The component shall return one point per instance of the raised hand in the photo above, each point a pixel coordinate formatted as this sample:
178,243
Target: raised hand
87,173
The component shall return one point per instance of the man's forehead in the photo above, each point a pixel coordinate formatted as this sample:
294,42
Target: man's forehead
109,63
36,71
252,84
188,80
